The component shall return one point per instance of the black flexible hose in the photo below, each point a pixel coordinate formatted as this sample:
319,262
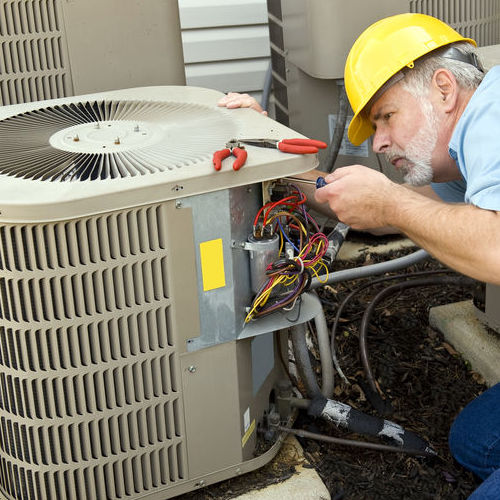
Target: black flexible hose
344,415
340,309
328,163
363,331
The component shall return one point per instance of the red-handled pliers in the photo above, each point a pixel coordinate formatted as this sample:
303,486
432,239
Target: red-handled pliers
234,148
296,146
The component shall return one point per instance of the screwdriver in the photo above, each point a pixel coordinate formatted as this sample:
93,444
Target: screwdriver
319,182
337,236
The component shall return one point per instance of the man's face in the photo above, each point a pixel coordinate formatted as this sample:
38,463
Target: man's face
406,131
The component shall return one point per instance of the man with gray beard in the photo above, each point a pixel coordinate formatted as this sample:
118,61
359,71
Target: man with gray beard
419,88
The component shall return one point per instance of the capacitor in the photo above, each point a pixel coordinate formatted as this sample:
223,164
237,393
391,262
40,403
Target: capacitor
263,252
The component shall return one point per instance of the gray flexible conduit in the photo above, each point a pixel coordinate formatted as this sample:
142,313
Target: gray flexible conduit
371,270
304,368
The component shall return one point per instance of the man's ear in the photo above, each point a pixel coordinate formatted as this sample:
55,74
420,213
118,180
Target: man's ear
445,88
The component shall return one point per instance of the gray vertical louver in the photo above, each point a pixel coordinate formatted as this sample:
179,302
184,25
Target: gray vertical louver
33,56
89,399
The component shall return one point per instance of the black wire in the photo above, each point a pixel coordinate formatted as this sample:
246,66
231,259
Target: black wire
363,330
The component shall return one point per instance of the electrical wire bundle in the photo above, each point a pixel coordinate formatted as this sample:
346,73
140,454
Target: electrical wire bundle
301,251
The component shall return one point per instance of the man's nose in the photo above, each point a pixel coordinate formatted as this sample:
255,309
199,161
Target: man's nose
381,141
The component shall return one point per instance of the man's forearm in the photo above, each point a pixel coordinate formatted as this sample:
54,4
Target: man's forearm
464,237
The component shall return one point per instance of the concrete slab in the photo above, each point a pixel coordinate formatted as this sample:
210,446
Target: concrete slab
305,484
478,344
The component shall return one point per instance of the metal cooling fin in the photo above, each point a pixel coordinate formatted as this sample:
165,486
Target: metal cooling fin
100,140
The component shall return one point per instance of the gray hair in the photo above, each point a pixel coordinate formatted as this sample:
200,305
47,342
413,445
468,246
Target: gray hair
460,58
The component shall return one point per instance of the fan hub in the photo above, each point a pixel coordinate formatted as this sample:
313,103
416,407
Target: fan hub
107,136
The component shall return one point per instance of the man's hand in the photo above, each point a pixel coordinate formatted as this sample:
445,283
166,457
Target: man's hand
234,100
360,196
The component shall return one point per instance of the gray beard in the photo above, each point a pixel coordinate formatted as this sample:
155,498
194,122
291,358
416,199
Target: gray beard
418,174
418,152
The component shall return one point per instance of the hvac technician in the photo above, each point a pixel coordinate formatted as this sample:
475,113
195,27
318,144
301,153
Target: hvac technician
419,88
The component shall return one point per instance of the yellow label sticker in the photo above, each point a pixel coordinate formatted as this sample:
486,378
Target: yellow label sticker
248,433
212,264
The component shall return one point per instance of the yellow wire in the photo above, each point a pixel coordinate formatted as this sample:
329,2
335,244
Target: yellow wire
315,272
264,296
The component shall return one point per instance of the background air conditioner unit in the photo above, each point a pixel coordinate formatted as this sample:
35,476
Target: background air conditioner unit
126,370
59,48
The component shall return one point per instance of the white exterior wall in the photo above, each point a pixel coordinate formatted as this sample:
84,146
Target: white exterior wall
226,44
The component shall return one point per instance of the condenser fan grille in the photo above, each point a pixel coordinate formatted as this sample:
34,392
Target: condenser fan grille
97,140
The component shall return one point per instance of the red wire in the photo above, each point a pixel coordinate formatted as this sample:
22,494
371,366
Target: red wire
269,206
280,202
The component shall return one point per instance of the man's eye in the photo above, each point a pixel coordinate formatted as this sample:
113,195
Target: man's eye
387,116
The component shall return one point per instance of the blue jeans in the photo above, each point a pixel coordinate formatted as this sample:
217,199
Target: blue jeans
475,442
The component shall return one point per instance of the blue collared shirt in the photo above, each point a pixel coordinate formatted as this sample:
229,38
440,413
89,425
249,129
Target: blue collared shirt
475,144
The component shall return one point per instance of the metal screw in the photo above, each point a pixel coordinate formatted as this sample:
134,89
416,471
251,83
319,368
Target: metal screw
117,140
136,128
178,204
76,138
192,369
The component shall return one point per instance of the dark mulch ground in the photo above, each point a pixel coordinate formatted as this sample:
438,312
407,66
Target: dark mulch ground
426,381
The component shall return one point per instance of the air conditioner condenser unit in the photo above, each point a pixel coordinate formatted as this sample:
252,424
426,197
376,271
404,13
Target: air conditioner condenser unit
126,370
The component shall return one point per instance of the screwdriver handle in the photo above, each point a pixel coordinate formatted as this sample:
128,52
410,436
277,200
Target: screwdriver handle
320,182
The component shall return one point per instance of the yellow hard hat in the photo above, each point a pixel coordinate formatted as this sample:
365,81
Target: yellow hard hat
382,50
